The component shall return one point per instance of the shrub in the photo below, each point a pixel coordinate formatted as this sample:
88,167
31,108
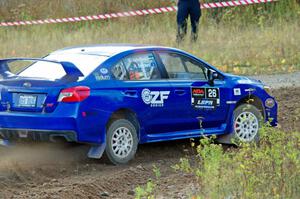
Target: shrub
268,170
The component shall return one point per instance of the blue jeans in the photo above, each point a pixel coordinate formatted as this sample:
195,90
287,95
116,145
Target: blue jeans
188,8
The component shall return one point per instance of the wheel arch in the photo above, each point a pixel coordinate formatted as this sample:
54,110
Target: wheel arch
255,101
249,99
125,113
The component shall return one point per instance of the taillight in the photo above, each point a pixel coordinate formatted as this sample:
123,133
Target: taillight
74,94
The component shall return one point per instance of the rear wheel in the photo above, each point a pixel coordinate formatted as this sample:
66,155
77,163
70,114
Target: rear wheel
121,141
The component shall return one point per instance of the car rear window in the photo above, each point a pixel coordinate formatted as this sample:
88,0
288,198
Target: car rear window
85,63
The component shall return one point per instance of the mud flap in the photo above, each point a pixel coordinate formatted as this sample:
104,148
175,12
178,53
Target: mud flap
96,151
226,138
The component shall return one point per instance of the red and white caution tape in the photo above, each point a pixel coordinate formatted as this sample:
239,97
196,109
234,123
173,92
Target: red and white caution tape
133,13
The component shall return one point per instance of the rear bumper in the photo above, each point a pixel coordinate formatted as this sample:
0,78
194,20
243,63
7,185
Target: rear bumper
66,121
36,135
37,121
40,126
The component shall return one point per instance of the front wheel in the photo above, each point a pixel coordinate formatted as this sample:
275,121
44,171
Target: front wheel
247,120
121,141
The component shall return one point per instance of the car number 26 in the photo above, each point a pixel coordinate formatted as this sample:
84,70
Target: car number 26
212,93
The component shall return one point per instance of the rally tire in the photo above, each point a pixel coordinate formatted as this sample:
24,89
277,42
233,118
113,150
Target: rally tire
121,141
247,120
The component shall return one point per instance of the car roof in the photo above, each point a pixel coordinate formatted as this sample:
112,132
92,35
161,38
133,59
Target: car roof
108,49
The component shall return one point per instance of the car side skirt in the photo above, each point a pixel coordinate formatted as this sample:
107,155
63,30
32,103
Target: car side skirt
185,134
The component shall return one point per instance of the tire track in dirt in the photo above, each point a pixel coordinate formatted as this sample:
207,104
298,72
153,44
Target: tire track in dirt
82,177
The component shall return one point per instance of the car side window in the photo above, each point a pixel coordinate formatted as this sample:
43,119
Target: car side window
141,66
119,71
182,67
195,69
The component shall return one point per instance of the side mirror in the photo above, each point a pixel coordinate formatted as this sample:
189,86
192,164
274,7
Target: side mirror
212,75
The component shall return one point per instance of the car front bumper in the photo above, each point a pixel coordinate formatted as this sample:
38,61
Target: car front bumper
271,113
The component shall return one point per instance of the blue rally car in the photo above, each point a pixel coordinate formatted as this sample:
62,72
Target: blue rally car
114,97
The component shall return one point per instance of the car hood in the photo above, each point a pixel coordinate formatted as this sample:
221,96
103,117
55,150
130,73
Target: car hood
244,80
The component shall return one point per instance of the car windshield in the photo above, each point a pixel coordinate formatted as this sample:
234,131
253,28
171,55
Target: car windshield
85,63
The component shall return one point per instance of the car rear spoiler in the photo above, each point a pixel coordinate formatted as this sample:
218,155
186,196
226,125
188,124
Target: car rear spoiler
68,67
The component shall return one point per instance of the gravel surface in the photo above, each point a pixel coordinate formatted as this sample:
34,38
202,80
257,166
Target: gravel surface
280,80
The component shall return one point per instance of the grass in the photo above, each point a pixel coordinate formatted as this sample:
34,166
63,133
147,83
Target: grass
244,40
33,9
268,170
250,49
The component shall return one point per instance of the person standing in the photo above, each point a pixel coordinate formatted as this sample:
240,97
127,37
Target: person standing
188,8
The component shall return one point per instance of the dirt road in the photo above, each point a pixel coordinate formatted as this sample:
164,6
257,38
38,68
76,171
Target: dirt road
280,80
63,171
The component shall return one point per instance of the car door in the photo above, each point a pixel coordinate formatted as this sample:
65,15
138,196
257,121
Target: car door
200,104
142,89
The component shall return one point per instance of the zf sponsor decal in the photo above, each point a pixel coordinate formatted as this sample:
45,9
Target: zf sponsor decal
154,98
205,98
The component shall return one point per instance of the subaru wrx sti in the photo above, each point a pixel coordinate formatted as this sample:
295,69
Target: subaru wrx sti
114,97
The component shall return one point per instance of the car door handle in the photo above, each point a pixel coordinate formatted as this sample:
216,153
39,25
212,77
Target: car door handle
130,93
180,92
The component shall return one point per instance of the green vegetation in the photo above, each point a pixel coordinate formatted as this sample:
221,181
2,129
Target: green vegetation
268,170
256,39
243,40
148,191
35,9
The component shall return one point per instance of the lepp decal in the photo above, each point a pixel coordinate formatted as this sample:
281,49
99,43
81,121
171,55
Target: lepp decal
154,98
